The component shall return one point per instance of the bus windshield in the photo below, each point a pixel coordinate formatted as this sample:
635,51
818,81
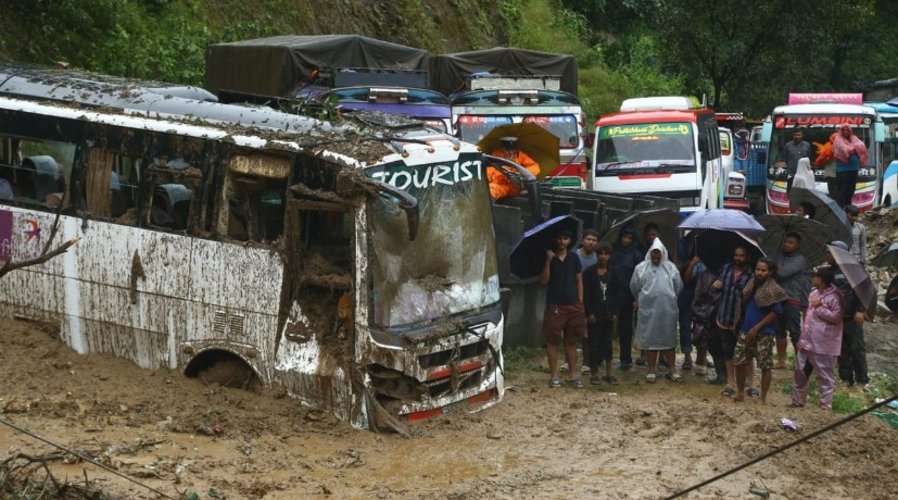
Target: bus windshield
473,128
564,127
451,266
818,138
649,147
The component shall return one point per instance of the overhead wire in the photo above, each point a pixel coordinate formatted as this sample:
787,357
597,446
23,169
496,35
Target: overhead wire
85,458
783,448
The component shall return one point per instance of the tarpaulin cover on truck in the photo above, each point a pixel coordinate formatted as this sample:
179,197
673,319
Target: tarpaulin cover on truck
273,66
449,71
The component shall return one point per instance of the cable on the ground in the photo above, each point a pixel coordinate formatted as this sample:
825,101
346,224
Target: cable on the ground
783,448
86,459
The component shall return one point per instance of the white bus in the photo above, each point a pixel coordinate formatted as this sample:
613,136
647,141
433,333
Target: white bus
300,254
819,116
660,146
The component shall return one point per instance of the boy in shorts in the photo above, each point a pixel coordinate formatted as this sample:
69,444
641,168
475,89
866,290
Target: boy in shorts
564,318
762,301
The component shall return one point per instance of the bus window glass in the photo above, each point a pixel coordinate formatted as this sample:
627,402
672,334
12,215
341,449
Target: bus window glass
256,208
725,146
36,173
412,282
564,127
645,147
473,128
170,207
819,139
110,185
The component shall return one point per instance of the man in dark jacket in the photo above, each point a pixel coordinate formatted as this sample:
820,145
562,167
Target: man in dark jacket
600,293
625,255
853,358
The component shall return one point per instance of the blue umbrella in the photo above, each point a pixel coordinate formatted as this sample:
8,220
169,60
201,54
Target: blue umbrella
724,219
826,210
887,257
528,256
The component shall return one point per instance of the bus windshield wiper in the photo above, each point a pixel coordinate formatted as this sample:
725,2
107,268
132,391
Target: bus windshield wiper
616,164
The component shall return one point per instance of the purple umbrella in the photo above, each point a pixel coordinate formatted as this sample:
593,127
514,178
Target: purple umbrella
724,219
528,256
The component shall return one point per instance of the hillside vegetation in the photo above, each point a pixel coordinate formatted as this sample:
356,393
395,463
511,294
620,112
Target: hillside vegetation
743,56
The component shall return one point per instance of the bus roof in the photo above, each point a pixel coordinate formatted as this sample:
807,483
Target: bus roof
631,117
883,108
135,104
798,109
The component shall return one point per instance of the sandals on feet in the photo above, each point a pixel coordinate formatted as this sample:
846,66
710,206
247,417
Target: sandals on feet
753,393
554,383
728,392
687,364
674,377
609,379
576,383
650,378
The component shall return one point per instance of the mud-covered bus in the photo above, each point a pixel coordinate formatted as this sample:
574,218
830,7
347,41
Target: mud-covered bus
819,116
661,146
218,235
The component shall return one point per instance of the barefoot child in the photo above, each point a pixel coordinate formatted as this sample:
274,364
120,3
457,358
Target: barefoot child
820,341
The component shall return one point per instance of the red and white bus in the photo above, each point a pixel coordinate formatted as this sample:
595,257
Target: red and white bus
661,146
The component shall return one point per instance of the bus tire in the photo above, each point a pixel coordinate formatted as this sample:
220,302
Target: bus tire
217,366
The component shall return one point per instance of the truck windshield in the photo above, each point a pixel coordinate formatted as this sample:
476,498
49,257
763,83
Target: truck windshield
818,137
451,266
472,128
645,148
562,126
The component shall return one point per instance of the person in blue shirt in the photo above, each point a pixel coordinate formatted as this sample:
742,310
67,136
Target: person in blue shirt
762,302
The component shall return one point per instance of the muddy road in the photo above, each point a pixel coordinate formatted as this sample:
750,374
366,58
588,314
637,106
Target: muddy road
182,436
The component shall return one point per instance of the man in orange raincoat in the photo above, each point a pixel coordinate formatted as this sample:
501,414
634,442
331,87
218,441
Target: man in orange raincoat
500,185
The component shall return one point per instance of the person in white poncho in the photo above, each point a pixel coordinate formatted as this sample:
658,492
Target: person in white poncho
656,283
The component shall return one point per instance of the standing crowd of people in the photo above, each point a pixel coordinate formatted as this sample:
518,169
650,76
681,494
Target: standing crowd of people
744,314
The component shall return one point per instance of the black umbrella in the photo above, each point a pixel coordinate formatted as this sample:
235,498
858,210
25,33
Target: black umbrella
826,210
666,220
858,279
814,236
528,256
887,257
715,247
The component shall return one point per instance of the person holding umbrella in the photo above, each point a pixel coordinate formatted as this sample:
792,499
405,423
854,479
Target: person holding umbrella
821,339
500,185
625,257
564,318
853,354
731,281
655,284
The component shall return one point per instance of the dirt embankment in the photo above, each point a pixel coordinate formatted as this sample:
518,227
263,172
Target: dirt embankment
630,441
